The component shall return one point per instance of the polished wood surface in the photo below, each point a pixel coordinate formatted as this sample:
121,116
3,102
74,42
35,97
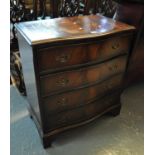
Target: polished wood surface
61,81
81,96
82,113
26,52
59,57
59,29
70,84
28,10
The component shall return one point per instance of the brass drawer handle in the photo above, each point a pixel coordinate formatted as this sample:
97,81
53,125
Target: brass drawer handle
62,101
107,87
62,58
113,68
115,46
63,82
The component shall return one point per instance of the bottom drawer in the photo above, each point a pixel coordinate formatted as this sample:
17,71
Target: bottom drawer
82,113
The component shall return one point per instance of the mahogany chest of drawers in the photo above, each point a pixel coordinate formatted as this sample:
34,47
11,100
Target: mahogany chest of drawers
73,70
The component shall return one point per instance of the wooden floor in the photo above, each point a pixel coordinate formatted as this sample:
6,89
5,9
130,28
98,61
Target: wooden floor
122,135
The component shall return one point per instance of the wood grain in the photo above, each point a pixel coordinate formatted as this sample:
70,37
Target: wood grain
63,81
73,99
58,57
70,84
82,113
70,28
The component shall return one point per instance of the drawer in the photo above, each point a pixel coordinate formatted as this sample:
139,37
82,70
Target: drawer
60,57
82,113
79,78
69,100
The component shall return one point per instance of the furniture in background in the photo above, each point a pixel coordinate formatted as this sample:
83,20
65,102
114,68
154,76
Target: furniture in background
28,10
73,70
132,12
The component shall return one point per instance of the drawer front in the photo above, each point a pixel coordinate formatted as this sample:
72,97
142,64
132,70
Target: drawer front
64,101
82,113
84,76
60,57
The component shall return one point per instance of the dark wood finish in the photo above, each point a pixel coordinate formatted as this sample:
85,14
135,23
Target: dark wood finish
28,10
62,97
26,52
73,28
52,58
81,113
84,76
72,99
132,12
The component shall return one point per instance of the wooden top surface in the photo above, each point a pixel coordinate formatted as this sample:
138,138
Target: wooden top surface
69,28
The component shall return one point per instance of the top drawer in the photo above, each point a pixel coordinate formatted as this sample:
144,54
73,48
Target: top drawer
60,57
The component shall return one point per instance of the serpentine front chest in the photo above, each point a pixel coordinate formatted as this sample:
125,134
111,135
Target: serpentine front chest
73,70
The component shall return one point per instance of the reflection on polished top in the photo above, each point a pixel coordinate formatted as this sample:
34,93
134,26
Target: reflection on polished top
69,28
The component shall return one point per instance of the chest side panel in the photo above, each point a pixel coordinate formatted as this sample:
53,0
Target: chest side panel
29,73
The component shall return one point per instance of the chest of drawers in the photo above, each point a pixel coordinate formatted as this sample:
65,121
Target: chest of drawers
73,70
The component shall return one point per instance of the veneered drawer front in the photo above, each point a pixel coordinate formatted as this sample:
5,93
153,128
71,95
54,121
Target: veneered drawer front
82,113
69,100
67,56
84,76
